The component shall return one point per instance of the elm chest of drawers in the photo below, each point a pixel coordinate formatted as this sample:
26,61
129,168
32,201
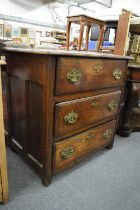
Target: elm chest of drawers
63,105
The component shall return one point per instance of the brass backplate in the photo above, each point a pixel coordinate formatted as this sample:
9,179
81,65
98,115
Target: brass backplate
74,76
112,106
117,74
107,134
66,153
98,68
71,117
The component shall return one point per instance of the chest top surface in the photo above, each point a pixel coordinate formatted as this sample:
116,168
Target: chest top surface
66,53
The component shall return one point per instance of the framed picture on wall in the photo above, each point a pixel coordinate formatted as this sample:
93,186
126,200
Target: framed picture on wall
32,33
8,31
24,31
1,30
15,32
48,33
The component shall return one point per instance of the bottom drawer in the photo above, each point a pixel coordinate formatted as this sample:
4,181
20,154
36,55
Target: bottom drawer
69,151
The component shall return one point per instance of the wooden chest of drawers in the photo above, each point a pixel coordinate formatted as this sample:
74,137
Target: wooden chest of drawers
62,105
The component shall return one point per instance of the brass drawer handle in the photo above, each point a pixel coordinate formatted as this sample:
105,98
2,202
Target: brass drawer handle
90,136
71,117
112,106
74,76
66,153
117,74
98,68
107,134
94,103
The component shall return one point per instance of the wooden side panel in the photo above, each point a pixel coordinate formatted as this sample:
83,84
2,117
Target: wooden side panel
27,67
31,83
82,145
27,120
27,78
35,107
18,112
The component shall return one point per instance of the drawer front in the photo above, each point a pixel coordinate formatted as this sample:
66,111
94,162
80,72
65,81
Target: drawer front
76,114
68,152
76,75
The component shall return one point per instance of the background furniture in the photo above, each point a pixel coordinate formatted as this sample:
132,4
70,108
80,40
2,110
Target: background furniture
59,36
3,167
130,114
121,36
63,105
93,42
121,42
84,20
122,28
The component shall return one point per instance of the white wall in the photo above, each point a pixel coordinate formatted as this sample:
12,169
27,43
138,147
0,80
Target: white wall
35,10
18,7
55,13
133,5
117,5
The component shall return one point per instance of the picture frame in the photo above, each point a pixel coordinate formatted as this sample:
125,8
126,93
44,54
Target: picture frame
24,31
7,31
48,33
32,33
16,32
1,30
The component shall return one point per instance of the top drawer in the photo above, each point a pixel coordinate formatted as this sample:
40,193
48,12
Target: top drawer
78,74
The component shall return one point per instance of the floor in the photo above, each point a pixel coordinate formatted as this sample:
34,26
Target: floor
109,180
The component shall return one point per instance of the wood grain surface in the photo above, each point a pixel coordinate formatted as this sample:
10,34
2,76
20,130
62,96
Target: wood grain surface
82,145
95,74
88,113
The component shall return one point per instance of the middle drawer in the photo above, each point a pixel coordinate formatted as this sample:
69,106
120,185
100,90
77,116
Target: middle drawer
73,115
